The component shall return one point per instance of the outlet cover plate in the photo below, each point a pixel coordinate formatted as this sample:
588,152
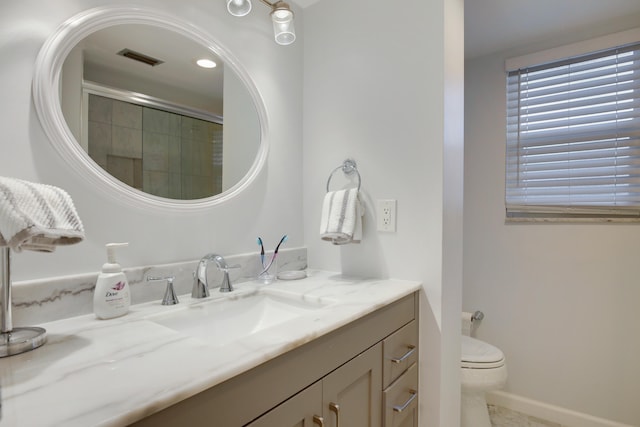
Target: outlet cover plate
386,215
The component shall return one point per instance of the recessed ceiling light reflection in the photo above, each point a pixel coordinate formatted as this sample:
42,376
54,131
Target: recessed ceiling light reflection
206,63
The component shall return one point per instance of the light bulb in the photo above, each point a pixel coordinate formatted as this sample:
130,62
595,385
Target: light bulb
282,15
239,7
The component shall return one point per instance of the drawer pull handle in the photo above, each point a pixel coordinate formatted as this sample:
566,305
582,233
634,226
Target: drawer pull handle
400,408
318,420
412,348
335,408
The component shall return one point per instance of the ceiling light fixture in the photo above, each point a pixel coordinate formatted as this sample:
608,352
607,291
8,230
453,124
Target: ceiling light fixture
239,7
281,16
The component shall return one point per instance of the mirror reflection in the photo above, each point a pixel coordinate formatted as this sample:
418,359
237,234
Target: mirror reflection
137,102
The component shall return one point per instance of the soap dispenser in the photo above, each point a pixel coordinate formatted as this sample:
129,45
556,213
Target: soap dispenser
111,297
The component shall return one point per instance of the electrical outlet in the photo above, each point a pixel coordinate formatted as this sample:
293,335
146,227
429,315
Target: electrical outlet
386,215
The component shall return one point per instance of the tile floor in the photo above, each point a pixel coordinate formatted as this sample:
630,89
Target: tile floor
502,417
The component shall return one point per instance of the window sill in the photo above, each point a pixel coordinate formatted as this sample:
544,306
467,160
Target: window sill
569,220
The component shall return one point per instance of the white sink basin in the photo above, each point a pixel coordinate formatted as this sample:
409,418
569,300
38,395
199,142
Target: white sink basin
222,321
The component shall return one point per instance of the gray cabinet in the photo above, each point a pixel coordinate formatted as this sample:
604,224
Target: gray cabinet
302,410
353,393
400,396
401,400
349,396
354,375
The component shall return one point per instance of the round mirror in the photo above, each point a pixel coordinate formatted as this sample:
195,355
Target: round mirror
121,96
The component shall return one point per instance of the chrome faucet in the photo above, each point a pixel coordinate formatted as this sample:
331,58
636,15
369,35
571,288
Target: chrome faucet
200,283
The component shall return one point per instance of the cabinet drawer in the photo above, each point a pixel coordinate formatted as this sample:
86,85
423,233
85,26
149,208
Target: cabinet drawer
400,351
401,400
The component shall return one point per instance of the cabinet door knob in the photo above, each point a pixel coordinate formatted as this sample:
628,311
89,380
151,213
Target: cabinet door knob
318,420
400,408
405,356
335,408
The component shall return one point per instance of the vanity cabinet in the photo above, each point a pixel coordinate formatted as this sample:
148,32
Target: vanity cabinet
349,396
400,400
353,392
400,381
362,374
302,410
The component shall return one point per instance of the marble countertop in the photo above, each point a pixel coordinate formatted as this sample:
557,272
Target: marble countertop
114,372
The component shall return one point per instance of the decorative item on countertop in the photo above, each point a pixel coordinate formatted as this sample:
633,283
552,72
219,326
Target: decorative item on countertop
292,275
35,217
341,220
265,275
111,297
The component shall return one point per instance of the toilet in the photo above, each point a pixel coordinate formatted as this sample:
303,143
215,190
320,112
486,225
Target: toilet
483,369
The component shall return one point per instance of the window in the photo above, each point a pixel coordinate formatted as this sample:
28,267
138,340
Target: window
573,137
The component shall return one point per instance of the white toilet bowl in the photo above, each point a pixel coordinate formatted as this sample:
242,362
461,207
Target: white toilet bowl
483,369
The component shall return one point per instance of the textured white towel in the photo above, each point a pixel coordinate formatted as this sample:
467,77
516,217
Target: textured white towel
36,217
341,220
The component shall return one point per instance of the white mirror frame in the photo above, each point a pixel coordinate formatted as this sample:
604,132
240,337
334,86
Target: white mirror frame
46,84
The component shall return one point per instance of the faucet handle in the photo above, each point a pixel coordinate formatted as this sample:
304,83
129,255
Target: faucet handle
170,297
229,267
226,281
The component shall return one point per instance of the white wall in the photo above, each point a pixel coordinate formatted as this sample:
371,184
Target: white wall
560,299
376,89
270,207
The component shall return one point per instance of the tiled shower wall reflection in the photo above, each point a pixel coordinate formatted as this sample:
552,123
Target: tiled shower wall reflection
160,153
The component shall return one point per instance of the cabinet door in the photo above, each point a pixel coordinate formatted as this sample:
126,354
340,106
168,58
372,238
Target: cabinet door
302,410
352,394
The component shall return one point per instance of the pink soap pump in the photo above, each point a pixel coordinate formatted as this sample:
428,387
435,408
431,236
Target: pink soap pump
111,297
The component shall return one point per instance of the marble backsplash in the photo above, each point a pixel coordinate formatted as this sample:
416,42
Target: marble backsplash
46,300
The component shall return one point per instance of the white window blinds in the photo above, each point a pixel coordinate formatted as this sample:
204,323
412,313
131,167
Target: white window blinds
573,136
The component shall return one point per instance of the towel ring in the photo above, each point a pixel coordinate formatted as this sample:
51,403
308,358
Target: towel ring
348,168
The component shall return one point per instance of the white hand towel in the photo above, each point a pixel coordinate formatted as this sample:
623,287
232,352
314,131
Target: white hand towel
36,217
341,221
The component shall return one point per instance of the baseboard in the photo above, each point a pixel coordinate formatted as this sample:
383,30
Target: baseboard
545,411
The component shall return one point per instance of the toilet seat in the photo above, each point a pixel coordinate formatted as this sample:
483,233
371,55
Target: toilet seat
478,354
